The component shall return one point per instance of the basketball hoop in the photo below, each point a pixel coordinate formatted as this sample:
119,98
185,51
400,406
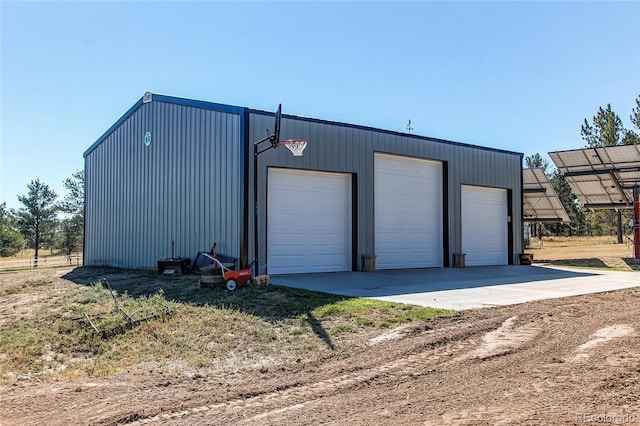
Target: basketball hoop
295,146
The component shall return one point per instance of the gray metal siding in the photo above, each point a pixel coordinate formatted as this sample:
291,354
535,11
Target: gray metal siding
187,186
348,149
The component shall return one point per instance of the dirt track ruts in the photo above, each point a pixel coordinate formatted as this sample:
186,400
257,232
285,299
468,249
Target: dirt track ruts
546,362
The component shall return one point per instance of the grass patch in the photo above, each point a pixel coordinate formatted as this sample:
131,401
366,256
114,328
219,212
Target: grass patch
342,328
172,325
25,286
584,252
581,263
368,312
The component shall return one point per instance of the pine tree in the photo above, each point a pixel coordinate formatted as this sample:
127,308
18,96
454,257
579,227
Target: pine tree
570,203
72,227
37,219
536,161
632,137
607,129
11,241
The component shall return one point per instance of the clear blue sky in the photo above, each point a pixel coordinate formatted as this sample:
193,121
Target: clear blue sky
511,75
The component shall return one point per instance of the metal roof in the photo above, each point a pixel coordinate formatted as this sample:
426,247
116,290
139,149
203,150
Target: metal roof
156,97
541,203
601,178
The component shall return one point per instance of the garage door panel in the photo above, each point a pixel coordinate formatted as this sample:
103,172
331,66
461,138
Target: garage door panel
326,222
309,222
397,238
285,241
411,204
484,225
287,200
288,264
322,260
399,217
408,212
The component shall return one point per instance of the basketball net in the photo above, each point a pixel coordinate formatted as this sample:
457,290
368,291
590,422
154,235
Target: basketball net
295,146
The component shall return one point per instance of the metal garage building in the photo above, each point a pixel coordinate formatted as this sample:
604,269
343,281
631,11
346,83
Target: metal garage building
181,170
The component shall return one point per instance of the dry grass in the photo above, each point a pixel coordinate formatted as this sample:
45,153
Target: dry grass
47,259
44,333
593,252
28,254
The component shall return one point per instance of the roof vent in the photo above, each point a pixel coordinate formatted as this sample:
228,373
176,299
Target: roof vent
147,98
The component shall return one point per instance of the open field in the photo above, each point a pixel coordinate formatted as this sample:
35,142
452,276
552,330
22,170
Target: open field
271,355
595,252
24,260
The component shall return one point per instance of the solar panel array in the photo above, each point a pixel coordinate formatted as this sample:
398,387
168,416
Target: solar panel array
601,177
541,203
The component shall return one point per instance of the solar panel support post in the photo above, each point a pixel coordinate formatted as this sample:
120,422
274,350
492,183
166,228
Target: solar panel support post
636,222
619,230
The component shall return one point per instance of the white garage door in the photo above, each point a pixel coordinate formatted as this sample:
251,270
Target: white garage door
308,222
484,225
408,212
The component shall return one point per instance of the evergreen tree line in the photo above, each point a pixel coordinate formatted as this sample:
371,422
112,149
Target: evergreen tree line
605,129
44,222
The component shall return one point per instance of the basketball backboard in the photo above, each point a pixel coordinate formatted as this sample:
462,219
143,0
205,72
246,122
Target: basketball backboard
276,129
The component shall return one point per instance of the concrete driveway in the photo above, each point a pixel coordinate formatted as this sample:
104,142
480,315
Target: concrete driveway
467,288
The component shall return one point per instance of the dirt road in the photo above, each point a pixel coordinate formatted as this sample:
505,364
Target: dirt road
564,361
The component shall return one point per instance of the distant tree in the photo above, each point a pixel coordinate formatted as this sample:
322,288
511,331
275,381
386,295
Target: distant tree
632,137
605,222
606,130
11,241
70,234
536,161
571,205
37,219
73,202
635,114
71,230
531,162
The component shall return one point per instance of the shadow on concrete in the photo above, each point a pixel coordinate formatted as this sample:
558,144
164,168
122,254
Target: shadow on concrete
410,281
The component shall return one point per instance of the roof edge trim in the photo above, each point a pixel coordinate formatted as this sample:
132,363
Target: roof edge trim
156,97
115,125
389,132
